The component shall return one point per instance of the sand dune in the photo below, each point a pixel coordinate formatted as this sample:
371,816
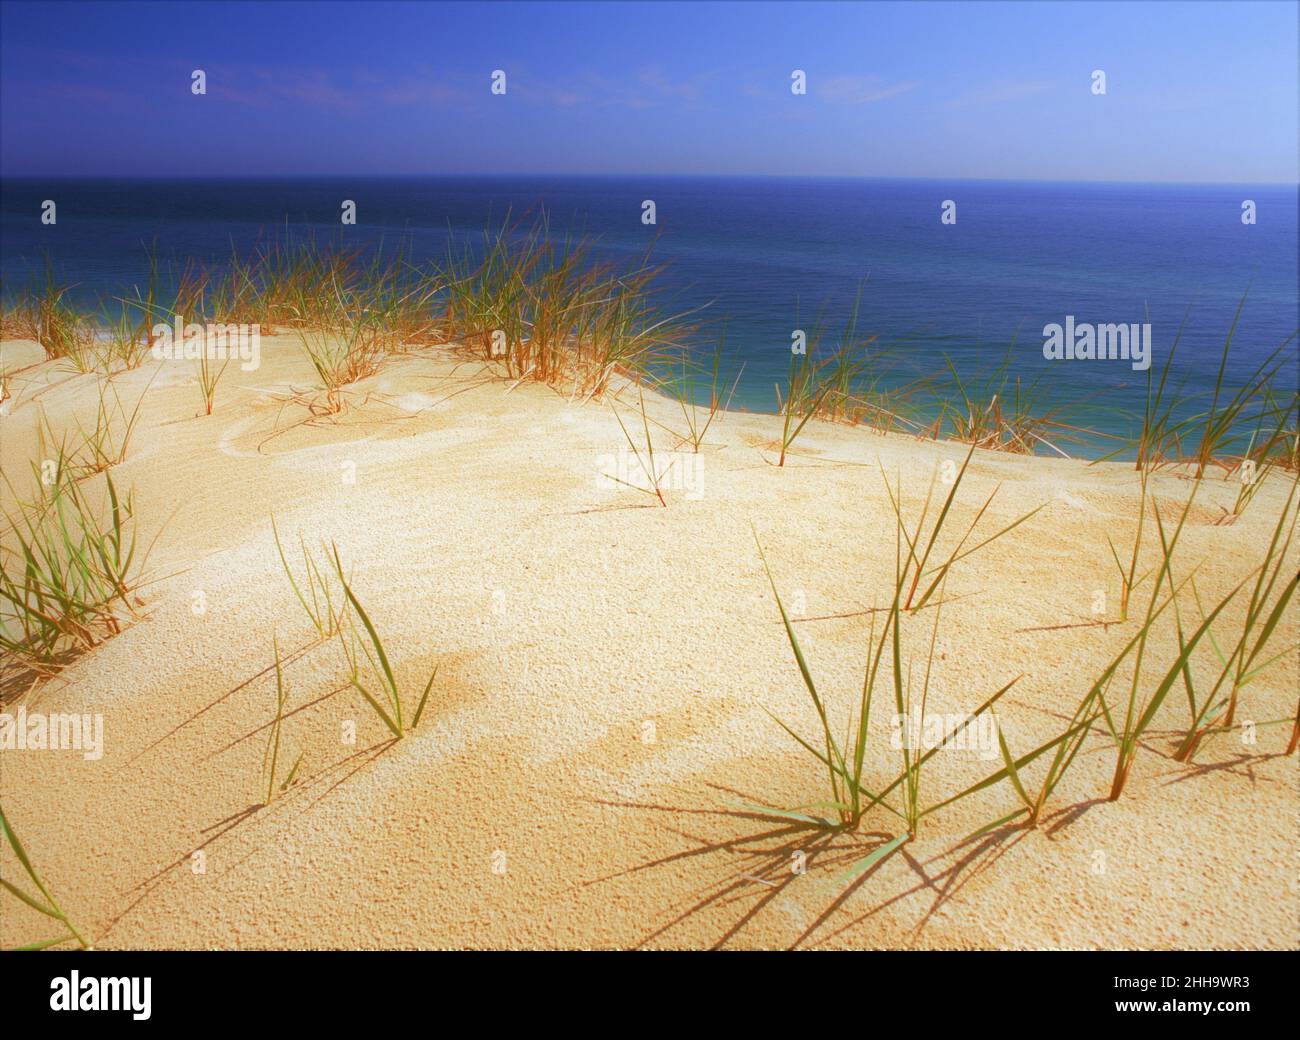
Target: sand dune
606,668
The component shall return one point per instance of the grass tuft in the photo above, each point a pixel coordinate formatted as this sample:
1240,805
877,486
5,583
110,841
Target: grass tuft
821,386
649,468
1002,414
324,617
848,798
918,569
1250,651
549,311
685,388
69,576
45,903
271,757
374,680
97,448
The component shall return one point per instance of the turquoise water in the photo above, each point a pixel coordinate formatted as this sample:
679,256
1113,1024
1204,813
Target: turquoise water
766,255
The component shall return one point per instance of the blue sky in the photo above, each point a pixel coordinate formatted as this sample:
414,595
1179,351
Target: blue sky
1198,91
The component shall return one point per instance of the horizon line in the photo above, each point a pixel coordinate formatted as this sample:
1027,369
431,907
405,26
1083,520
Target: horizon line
630,176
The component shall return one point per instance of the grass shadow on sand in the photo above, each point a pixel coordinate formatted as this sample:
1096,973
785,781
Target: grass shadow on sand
222,828
766,855
757,872
268,670
765,870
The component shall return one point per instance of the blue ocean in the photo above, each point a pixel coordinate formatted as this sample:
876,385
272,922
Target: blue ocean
761,257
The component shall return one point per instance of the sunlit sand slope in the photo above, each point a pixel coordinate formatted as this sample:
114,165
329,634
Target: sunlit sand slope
598,734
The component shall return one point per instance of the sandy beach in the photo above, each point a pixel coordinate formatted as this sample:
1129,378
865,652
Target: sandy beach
599,737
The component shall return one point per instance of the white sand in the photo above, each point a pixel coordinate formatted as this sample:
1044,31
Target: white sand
605,671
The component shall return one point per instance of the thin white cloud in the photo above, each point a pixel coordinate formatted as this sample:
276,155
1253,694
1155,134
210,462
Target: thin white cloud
647,88
1000,92
857,90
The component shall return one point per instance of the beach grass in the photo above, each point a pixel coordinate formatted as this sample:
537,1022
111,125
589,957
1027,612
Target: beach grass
1129,579
374,679
847,796
70,582
320,610
1140,706
1160,437
126,322
1252,648
116,333
551,309
271,757
1067,746
547,310
343,337
122,341
70,569
370,672
844,759
685,386
95,448
1274,445
1001,413
884,401
210,374
1220,424
654,476
63,332
43,903
922,544
1179,427
820,382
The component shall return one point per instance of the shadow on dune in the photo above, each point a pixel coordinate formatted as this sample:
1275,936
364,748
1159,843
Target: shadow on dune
753,871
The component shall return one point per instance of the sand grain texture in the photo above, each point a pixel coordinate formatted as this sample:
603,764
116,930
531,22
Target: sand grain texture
564,616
